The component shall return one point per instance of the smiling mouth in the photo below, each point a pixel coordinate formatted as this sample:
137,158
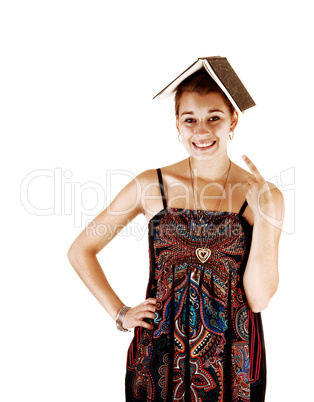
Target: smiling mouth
203,146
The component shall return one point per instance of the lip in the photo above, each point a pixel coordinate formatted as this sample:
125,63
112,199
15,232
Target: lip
202,149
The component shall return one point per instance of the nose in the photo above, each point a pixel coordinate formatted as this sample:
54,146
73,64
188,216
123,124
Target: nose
202,128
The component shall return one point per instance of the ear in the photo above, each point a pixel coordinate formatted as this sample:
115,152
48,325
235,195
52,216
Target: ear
234,120
177,123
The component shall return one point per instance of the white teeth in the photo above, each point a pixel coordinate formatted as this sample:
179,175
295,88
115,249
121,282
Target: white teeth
204,145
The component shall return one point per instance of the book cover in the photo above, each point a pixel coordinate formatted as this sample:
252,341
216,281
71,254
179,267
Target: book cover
223,74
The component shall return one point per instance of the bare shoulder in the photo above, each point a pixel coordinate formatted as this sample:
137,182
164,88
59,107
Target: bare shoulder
151,198
276,193
148,184
150,195
170,173
149,177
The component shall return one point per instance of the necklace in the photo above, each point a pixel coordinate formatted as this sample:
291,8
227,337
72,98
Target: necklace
203,253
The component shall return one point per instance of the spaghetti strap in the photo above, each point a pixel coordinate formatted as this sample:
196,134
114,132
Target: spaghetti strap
245,204
162,188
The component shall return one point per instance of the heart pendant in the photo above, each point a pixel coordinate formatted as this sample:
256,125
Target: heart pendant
203,254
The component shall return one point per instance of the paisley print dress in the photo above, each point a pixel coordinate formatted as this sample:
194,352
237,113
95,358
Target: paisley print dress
207,345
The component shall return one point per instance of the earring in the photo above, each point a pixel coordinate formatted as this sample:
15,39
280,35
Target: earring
231,135
179,138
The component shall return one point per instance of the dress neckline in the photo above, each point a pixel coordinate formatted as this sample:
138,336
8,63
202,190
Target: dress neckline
193,210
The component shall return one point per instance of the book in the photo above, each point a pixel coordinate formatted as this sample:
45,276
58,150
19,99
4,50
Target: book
223,74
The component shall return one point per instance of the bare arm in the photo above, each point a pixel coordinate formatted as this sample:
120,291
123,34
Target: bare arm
83,253
261,275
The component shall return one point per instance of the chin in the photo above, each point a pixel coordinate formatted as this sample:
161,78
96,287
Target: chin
202,155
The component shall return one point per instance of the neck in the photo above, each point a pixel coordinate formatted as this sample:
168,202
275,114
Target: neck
211,169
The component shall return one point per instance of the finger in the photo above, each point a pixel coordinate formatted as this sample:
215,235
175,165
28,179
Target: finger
151,300
252,168
148,314
139,323
147,307
145,324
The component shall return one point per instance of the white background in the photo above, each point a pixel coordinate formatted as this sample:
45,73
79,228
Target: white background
77,81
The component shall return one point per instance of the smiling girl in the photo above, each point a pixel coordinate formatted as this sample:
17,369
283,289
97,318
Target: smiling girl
214,231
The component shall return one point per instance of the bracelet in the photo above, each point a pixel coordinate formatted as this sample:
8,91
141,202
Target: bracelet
120,317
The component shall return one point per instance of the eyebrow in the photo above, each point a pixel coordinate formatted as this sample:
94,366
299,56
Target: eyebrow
209,111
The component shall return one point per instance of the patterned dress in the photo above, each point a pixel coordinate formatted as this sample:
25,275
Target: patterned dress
207,345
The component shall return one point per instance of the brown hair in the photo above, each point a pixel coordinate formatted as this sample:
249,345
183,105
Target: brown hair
203,84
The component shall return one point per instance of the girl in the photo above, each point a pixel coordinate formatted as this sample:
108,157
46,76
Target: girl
214,231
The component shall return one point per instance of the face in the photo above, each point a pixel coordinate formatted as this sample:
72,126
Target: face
205,123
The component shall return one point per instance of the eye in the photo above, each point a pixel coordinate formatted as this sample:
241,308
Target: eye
189,120
214,118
